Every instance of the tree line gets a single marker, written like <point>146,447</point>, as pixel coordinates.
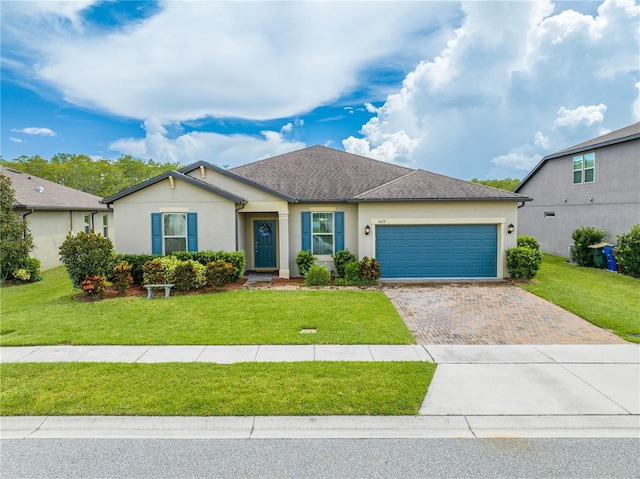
<point>100,177</point>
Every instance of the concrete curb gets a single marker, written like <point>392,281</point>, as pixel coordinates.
<point>316,427</point>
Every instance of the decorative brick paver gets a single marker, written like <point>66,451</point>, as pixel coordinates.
<point>489,314</point>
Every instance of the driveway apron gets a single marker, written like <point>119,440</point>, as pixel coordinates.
<point>489,314</point>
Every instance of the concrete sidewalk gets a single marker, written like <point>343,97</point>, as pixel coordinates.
<point>477,391</point>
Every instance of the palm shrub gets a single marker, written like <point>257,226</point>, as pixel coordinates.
<point>86,255</point>
<point>584,237</point>
<point>304,260</point>
<point>189,275</point>
<point>318,275</point>
<point>523,262</point>
<point>628,251</point>
<point>340,260</point>
<point>220,273</point>
<point>15,239</point>
<point>121,277</point>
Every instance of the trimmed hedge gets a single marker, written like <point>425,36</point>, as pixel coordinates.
<point>236,258</point>
<point>628,251</point>
<point>523,263</point>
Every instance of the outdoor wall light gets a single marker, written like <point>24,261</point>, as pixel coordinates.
<point>510,228</point>
<point>367,229</point>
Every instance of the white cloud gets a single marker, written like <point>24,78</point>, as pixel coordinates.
<point>192,60</point>
<point>636,104</point>
<point>513,83</point>
<point>583,115</point>
<point>16,140</point>
<point>36,131</point>
<point>230,150</point>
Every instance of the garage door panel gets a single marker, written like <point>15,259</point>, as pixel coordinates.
<point>437,251</point>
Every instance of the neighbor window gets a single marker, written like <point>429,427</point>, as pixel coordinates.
<point>175,232</point>
<point>584,168</point>
<point>322,231</point>
<point>105,226</point>
<point>87,224</point>
<point>549,214</point>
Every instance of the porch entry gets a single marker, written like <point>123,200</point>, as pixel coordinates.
<point>264,242</point>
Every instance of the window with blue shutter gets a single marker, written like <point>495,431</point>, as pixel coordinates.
<point>172,232</point>
<point>322,232</point>
<point>156,233</point>
<point>192,231</point>
<point>339,221</point>
<point>306,230</point>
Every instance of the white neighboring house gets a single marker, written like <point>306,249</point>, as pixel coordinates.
<point>53,210</point>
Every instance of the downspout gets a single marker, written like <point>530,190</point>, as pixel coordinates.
<point>93,223</point>
<point>521,205</point>
<point>241,206</point>
<point>24,215</point>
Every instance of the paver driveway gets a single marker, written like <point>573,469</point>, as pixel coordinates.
<point>489,314</point>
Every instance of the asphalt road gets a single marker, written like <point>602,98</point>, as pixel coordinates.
<point>320,458</point>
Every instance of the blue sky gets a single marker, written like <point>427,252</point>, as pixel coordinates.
<point>466,89</point>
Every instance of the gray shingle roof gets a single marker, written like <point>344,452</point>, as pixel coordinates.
<point>36,193</point>
<point>628,133</point>
<point>318,173</point>
<point>425,185</point>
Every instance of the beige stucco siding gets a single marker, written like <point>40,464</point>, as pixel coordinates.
<point>216,216</point>
<point>463,212</point>
<point>49,229</point>
<point>238,188</point>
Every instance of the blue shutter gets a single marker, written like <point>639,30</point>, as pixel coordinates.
<point>338,218</point>
<point>306,230</point>
<point>156,233</point>
<point>192,231</point>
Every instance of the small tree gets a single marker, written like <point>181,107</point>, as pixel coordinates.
<point>304,261</point>
<point>86,255</point>
<point>584,237</point>
<point>340,260</point>
<point>15,239</point>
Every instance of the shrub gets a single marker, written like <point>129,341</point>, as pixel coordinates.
<point>236,258</point>
<point>93,285</point>
<point>220,273</point>
<point>86,255</point>
<point>369,268</point>
<point>17,241</point>
<point>629,251</point>
<point>584,237</point>
<point>22,274</point>
<point>523,263</point>
<point>304,260</point>
<point>318,275</point>
<point>528,242</point>
<point>32,265</point>
<point>340,260</point>
<point>121,277</point>
<point>352,271</point>
<point>136,261</point>
<point>189,275</point>
<point>153,272</point>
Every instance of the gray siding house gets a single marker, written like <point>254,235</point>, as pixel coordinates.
<point>594,183</point>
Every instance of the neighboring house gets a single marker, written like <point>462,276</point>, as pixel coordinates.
<point>53,210</point>
<point>415,223</point>
<point>595,183</point>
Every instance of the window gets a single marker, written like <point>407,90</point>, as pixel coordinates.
<point>549,214</point>
<point>322,233</point>
<point>584,168</point>
<point>105,226</point>
<point>175,232</point>
<point>87,224</point>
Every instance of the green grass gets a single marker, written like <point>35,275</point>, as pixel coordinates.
<point>44,313</point>
<point>608,300</point>
<point>195,389</point>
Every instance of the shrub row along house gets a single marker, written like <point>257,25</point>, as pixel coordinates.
<point>53,210</point>
<point>417,224</point>
<point>594,183</point>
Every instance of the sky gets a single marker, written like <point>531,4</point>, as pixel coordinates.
<point>480,89</point>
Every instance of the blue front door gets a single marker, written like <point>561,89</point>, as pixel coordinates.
<point>264,242</point>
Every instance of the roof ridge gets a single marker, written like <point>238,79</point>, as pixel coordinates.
<point>387,183</point>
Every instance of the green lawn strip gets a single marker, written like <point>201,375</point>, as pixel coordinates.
<point>195,389</point>
<point>44,313</point>
<point>606,299</point>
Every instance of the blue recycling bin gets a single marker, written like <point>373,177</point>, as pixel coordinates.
<point>611,259</point>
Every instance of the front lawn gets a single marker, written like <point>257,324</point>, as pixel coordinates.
<point>606,299</point>
<point>196,389</point>
<point>44,313</point>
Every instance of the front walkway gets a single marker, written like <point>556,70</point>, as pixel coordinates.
<point>489,314</point>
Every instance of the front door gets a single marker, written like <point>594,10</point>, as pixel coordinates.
<point>264,242</point>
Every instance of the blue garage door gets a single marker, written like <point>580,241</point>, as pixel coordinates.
<point>437,251</point>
